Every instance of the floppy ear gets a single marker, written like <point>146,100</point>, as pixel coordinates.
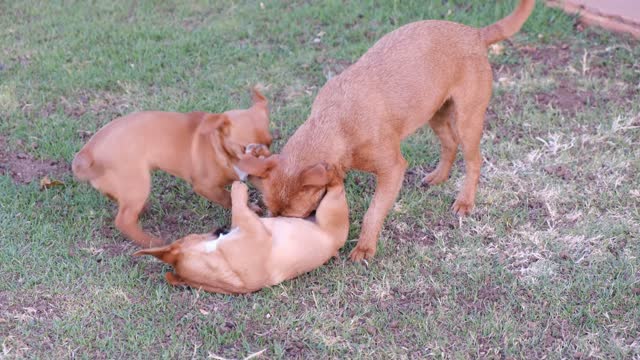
<point>166,253</point>
<point>213,122</point>
<point>318,175</point>
<point>258,98</point>
<point>260,167</point>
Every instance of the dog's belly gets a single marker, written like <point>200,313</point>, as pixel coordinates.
<point>298,249</point>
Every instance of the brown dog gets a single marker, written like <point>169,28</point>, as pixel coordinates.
<point>258,252</point>
<point>427,72</point>
<point>201,148</point>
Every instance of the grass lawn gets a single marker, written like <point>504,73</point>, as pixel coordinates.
<point>547,265</point>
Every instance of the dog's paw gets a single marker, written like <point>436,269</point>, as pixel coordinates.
<point>360,253</point>
<point>239,193</point>
<point>461,208</point>
<point>239,187</point>
<point>435,177</point>
<point>257,150</point>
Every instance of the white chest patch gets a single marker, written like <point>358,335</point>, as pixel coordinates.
<point>241,174</point>
<point>212,245</point>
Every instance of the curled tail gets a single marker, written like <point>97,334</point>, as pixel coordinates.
<point>84,166</point>
<point>509,25</point>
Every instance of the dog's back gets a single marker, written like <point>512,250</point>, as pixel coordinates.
<point>137,139</point>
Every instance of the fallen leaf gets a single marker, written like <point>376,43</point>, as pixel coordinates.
<point>496,49</point>
<point>46,183</point>
<point>204,312</point>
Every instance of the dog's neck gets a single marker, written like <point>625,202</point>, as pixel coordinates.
<point>311,144</point>
<point>209,157</point>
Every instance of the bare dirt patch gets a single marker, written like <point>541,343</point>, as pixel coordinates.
<point>24,168</point>
<point>562,63</point>
<point>102,105</point>
<point>566,98</point>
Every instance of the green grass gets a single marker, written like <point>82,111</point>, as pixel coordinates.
<point>546,266</point>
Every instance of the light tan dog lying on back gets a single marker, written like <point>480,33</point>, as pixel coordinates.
<point>258,252</point>
<point>200,147</point>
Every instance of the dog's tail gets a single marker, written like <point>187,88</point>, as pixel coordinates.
<point>509,25</point>
<point>84,166</point>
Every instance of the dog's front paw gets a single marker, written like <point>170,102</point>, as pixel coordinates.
<point>361,252</point>
<point>461,207</point>
<point>239,192</point>
<point>257,150</point>
<point>239,187</point>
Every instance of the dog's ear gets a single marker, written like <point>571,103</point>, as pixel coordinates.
<point>168,253</point>
<point>258,166</point>
<point>258,99</point>
<point>318,175</point>
<point>213,122</point>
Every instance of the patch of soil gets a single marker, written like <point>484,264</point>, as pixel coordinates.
<point>554,60</point>
<point>536,210</point>
<point>413,176</point>
<point>553,57</point>
<point>560,171</point>
<point>566,98</point>
<point>412,233</point>
<point>24,168</point>
<point>487,295</point>
<point>105,104</point>
<point>411,299</point>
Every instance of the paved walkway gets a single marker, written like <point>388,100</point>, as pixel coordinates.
<point>615,15</point>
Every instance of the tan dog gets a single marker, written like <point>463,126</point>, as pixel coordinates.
<point>201,148</point>
<point>427,72</point>
<point>258,252</point>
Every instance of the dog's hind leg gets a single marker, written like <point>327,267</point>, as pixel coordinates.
<point>470,109</point>
<point>130,205</point>
<point>441,124</point>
